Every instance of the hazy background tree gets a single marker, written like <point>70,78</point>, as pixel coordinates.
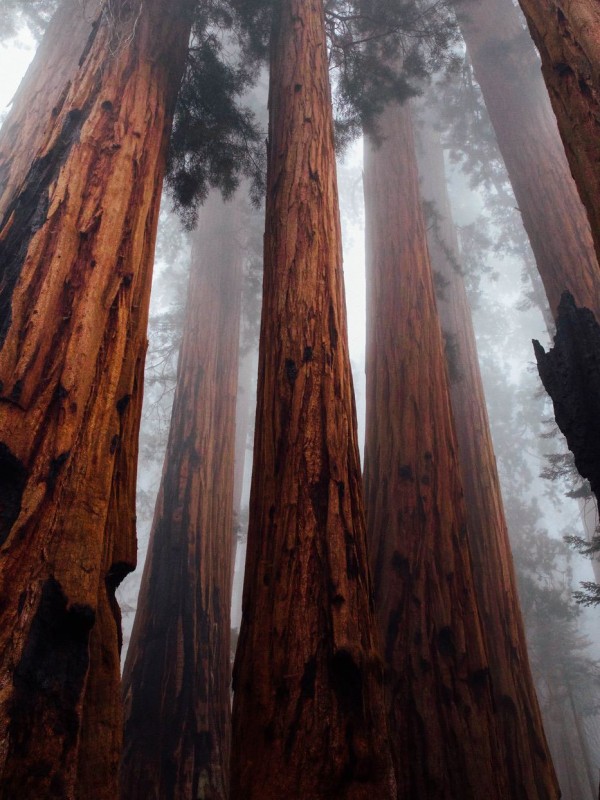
<point>518,717</point>
<point>566,35</point>
<point>441,713</point>
<point>177,723</point>
<point>506,66</point>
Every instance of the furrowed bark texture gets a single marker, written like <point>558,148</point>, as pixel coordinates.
<point>79,192</point>
<point>177,673</point>
<point>507,70</point>
<point>54,67</point>
<point>567,35</point>
<point>441,714</point>
<point>521,732</point>
<point>308,712</point>
<point>570,372</point>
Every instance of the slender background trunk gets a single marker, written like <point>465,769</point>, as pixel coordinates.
<point>177,672</point>
<point>566,34</point>
<point>308,714</point>
<point>441,712</point>
<point>507,69</point>
<point>525,750</point>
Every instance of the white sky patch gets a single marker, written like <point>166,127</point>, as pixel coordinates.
<point>15,57</point>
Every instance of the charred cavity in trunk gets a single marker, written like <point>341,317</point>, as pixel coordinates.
<point>570,372</point>
<point>347,681</point>
<point>13,477</point>
<point>49,681</point>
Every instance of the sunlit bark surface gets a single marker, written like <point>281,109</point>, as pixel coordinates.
<point>308,714</point>
<point>508,71</point>
<point>80,182</point>
<point>177,674</point>
<point>522,739</point>
<point>441,713</point>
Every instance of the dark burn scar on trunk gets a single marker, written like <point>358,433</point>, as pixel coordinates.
<point>48,683</point>
<point>28,212</point>
<point>445,642</point>
<point>123,403</point>
<point>13,477</point>
<point>347,682</point>
<point>55,467</point>
<point>570,372</point>
<point>291,371</point>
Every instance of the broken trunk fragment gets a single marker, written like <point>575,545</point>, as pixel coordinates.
<point>570,372</point>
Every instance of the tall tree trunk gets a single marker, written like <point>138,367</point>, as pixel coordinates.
<point>566,34</point>
<point>581,741</point>
<point>569,747</point>
<point>177,672</point>
<point>441,712</point>
<point>308,712</point>
<point>522,736</point>
<point>507,69</point>
<point>79,195</point>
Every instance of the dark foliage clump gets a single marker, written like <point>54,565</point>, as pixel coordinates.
<point>381,52</point>
<point>215,139</point>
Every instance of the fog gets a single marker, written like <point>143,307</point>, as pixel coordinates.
<point>539,512</point>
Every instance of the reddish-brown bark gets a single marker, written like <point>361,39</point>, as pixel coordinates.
<point>441,711</point>
<point>177,673</point>
<point>54,66</point>
<point>79,193</point>
<point>308,713</point>
<point>507,69</point>
<point>567,35</point>
<point>521,733</point>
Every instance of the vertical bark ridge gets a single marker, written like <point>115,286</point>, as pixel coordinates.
<point>177,673</point>
<point>522,735</point>
<point>507,70</point>
<point>442,718</point>
<point>308,714</point>
<point>75,286</point>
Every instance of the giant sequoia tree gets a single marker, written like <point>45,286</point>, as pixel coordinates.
<point>518,716</point>
<point>507,69</point>
<point>177,720</point>
<point>79,197</point>
<point>439,701</point>
<point>308,714</point>
<point>82,159</point>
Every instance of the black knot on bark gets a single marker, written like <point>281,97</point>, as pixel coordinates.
<point>291,371</point>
